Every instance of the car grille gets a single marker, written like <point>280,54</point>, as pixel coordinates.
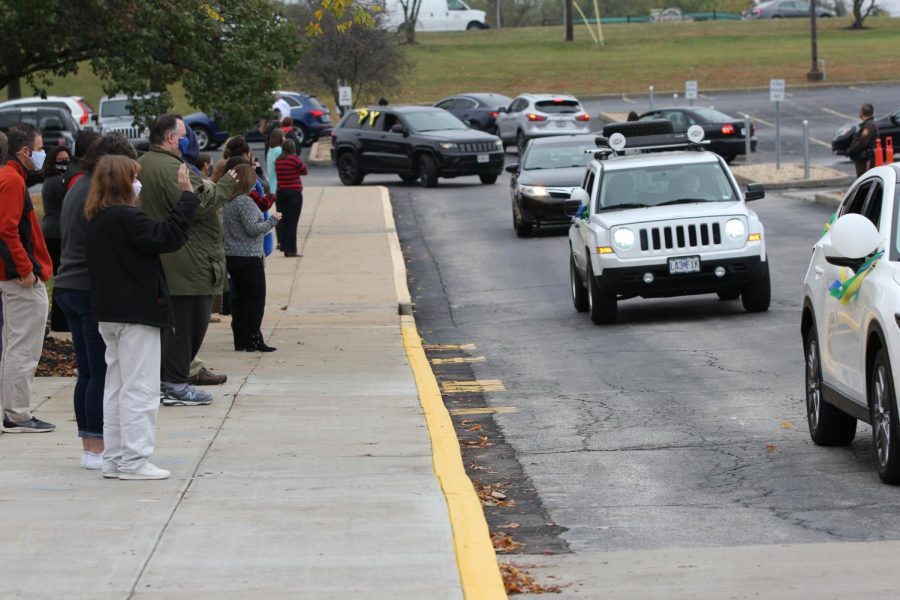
<point>694,235</point>
<point>478,147</point>
<point>559,192</point>
<point>131,133</point>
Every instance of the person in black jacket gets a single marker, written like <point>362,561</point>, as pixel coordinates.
<point>130,301</point>
<point>52,194</point>
<point>862,147</point>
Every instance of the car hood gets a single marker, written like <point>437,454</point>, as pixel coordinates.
<point>845,131</point>
<point>636,216</point>
<point>568,177</point>
<point>457,135</point>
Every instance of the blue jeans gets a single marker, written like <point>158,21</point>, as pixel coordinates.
<point>90,353</point>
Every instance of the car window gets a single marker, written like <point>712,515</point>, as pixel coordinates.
<point>433,120</point>
<point>654,186</point>
<point>115,108</point>
<point>854,202</point>
<point>558,107</point>
<point>445,104</point>
<point>389,120</point>
<point>518,105</point>
<point>557,156</point>
<point>678,118</point>
<point>7,118</point>
<point>456,5</point>
<point>589,180</point>
<point>713,116</point>
<point>651,116</point>
<point>463,104</point>
<point>872,209</point>
<point>292,102</point>
<point>50,122</point>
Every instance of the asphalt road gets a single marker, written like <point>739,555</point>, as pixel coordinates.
<point>826,109</point>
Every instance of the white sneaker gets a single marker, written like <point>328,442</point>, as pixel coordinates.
<point>91,461</point>
<point>147,471</point>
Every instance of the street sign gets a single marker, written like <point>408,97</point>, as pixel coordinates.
<point>690,90</point>
<point>345,96</point>
<point>776,90</point>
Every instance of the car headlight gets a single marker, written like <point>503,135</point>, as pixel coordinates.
<point>623,238</point>
<point>735,229</point>
<point>535,191</point>
<point>499,143</point>
<point>447,146</point>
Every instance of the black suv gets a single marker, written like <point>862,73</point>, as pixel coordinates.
<point>415,142</point>
<point>56,125</point>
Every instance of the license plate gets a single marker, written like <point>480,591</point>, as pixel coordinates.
<point>687,264</point>
<point>483,158</point>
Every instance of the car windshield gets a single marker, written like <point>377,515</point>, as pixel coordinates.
<point>433,120</point>
<point>712,115</point>
<point>669,184</point>
<point>558,107</point>
<point>115,108</point>
<point>558,156</point>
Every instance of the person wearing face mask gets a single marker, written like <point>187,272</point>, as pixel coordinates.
<point>196,272</point>
<point>26,266</point>
<point>52,193</point>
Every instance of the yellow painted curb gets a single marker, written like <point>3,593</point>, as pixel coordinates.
<point>475,557</point>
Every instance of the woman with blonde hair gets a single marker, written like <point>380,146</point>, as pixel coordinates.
<point>245,228</point>
<point>130,301</point>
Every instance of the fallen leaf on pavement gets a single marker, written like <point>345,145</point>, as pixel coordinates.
<point>510,526</point>
<point>481,442</point>
<point>498,495</point>
<point>475,427</point>
<point>503,542</point>
<point>786,425</point>
<point>770,448</point>
<point>486,493</point>
<point>517,581</point>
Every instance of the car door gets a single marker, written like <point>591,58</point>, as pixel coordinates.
<point>394,149</point>
<point>369,136</point>
<point>457,15</point>
<point>578,232</point>
<point>507,122</point>
<point>464,109</point>
<point>843,323</point>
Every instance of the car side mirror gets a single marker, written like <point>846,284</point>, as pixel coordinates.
<point>851,263</point>
<point>398,128</point>
<point>755,191</point>
<point>581,196</point>
<point>502,109</point>
<point>895,119</point>
<point>512,169</point>
<point>853,239</point>
<point>95,118</point>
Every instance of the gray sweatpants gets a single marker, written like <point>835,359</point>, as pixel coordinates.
<point>25,312</point>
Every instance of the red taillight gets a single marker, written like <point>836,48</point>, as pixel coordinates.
<point>757,11</point>
<point>84,114</point>
<point>495,114</point>
<point>536,117</point>
<point>317,113</point>
<point>728,129</point>
<point>583,117</point>
<point>558,100</point>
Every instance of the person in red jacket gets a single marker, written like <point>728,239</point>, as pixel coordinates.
<point>288,170</point>
<point>26,265</point>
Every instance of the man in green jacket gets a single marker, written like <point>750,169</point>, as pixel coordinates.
<point>196,272</point>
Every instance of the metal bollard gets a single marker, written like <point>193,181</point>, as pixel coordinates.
<point>805,149</point>
<point>651,98</point>
<point>747,145</point>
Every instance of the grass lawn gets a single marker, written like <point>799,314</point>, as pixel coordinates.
<point>721,54</point>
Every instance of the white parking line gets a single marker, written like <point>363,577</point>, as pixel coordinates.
<point>757,119</point>
<point>627,99</point>
<point>819,142</point>
<point>705,97</point>
<point>838,114</point>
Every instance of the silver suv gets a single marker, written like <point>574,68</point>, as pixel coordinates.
<point>541,115</point>
<point>115,117</point>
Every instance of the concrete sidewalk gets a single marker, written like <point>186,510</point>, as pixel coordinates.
<point>309,477</point>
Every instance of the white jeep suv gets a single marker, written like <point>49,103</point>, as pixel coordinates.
<point>664,223</point>
<point>851,321</point>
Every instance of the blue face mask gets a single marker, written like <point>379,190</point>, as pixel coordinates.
<point>183,144</point>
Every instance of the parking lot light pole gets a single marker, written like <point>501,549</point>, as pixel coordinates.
<point>568,18</point>
<point>814,73</point>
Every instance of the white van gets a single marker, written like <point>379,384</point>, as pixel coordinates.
<point>434,15</point>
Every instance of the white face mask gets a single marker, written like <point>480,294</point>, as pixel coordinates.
<point>37,157</point>
<point>137,188</point>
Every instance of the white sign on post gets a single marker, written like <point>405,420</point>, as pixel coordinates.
<point>345,96</point>
<point>690,90</point>
<point>776,90</point>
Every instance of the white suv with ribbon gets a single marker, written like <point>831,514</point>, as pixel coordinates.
<point>851,321</point>
<point>663,217</point>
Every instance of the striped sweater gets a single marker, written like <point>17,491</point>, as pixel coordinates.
<point>288,169</point>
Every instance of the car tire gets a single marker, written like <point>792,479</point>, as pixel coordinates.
<point>603,308</point>
<point>828,426</point>
<point>488,179</point>
<point>728,295</point>
<point>521,142</point>
<point>349,169</point>
<point>203,137</point>
<point>428,172</point>
<point>302,135</point>
<point>523,229</point>
<point>474,26</point>
<point>579,292</point>
<point>757,296</point>
<point>883,412</point>
<point>411,178</point>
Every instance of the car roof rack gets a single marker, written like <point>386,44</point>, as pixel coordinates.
<point>643,137</point>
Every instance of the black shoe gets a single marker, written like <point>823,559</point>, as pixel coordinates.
<point>32,425</point>
<point>259,345</point>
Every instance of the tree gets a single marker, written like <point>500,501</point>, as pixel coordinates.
<point>227,54</point>
<point>364,57</point>
<point>861,11</point>
<point>410,10</point>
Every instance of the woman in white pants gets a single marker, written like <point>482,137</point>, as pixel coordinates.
<point>130,301</point>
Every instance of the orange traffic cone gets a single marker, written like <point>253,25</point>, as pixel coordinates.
<point>879,153</point>
<point>889,150</point>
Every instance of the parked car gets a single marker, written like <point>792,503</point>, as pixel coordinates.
<point>478,111</point>
<point>56,125</point>
<point>415,142</point>
<point>784,9</point>
<point>669,220</point>
<point>542,183</point>
<point>77,106</point>
<point>724,132</point>
<point>888,126</point>
<point>539,115</point>
<point>434,15</point>
<point>850,327</point>
<point>209,135</point>
<point>114,116</point>
<point>312,120</point>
